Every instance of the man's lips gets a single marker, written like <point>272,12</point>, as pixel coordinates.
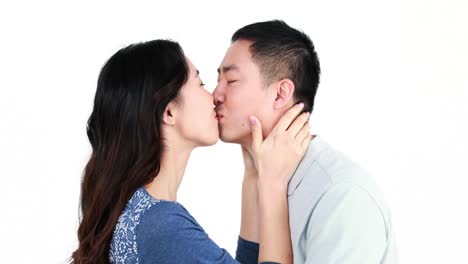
<point>219,116</point>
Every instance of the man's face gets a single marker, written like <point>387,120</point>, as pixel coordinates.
<point>240,93</point>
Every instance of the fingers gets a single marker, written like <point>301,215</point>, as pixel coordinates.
<point>306,141</point>
<point>257,137</point>
<point>298,124</point>
<point>303,133</point>
<point>288,117</point>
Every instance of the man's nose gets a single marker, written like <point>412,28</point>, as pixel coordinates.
<point>218,97</point>
<point>217,100</point>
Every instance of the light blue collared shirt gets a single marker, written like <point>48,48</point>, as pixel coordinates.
<point>337,213</point>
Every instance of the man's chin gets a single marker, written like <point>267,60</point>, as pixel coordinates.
<point>232,140</point>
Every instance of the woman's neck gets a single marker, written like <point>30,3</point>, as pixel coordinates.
<point>173,163</point>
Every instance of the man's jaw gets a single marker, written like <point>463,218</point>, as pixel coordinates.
<point>245,141</point>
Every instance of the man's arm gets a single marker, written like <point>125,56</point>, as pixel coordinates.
<point>346,226</point>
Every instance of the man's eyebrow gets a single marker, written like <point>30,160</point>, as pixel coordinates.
<point>231,67</point>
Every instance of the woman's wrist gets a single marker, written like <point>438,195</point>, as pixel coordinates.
<point>271,188</point>
<point>269,182</point>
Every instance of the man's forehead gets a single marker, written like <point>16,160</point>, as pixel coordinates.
<point>227,68</point>
<point>237,58</point>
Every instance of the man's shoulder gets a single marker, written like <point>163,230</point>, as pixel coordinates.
<point>332,173</point>
<point>325,168</point>
<point>330,166</point>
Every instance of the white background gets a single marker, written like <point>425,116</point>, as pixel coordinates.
<point>393,96</point>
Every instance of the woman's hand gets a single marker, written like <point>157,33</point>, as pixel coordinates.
<point>277,157</point>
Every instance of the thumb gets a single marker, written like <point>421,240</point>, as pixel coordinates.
<point>257,137</point>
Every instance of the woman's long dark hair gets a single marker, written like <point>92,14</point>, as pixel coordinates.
<point>124,129</point>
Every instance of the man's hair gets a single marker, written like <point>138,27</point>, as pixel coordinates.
<point>281,51</point>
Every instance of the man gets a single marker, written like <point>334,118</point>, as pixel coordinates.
<point>336,212</point>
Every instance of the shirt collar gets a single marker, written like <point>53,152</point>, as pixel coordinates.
<point>316,145</point>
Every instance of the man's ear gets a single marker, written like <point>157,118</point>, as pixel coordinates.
<point>168,117</point>
<point>284,92</point>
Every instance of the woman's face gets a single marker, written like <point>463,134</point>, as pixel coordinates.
<point>196,118</point>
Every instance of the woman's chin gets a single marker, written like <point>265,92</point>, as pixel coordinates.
<point>205,142</point>
<point>212,141</point>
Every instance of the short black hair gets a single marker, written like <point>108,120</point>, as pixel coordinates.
<point>281,51</point>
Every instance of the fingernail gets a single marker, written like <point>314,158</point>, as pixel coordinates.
<point>308,114</point>
<point>252,120</point>
<point>301,104</point>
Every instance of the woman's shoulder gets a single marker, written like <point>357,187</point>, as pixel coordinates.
<point>143,217</point>
<point>160,217</point>
<point>144,210</point>
<point>166,218</point>
<point>168,233</point>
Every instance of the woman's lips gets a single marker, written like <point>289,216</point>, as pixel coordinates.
<point>219,116</point>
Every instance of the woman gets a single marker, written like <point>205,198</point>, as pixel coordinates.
<point>150,111</point>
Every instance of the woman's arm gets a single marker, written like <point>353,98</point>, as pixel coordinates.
<point>276,158</point>
<point>275,238</point>
<point>250,211</point>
